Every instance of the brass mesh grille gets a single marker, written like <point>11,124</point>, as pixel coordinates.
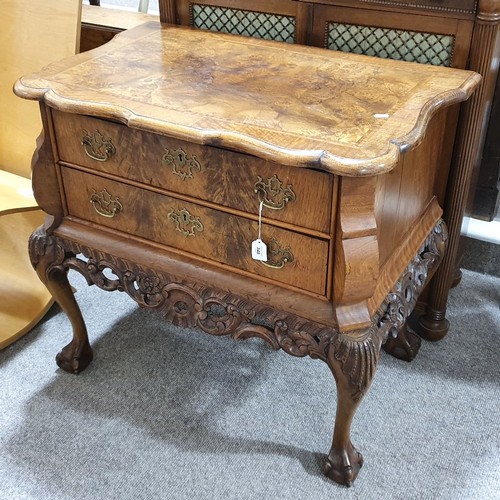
<point>425,48</point>
<point>244,22</point>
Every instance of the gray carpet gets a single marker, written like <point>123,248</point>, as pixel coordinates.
<point>165,413</point>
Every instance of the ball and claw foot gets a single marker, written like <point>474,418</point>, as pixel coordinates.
<point>343,465</point>
<point>75,357</point>
<point>405,346</point>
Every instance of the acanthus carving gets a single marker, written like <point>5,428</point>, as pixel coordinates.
<point>221,313</point>
<point>351,356</point>
<point>358,352</point>
<point>358,359</point>
<point>43,246</point>
<point>195,306</point>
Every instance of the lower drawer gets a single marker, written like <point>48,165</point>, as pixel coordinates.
<point>293,258</point>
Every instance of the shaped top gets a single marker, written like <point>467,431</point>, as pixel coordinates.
<point>302,106</point>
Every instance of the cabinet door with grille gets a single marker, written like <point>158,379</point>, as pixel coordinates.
<point>279,20</point>
<point>438,40</point>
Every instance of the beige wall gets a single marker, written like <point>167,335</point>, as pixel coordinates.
<point>33,33</point>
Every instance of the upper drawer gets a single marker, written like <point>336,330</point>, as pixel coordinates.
<point>293,258</point>
<point>297,196</point>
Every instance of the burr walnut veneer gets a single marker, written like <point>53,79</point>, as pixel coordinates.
<point>161,147</point>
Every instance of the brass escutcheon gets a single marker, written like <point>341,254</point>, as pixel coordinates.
<point>182,164</point>
<point>185,223</point>
<point>272,193</point>
<point>277,257</point>
<point>97,147</point>
<point>105,204</point>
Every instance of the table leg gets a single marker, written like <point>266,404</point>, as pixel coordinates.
<point>353,362</point>
<point>47,257</point>
<point>404,346</point>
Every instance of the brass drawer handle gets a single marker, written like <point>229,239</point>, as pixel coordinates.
<point>182,164</point>
<point>185,223</point>
<point>97,147</point>
<point>277,257</point>
<point>105,204</point>
<point>272,192</point>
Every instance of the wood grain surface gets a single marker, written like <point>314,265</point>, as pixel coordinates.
<point>220,237</point>
<point>302,106</point>
<point>218,177</point>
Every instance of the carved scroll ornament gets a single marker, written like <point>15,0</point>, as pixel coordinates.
<point>352,357</point>
<point>221,313</point>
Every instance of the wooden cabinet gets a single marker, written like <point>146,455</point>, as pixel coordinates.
<point>454,7</point>
<point>424,32</point>
<point>168,152</point>
<point>486,200</point>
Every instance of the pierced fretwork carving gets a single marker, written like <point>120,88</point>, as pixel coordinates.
<point>402,299</point>
<point>221,313</point>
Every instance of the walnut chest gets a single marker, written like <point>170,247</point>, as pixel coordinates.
<point>249,188</point>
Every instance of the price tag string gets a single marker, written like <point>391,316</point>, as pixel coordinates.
<point>260,220</point>
<point>259,248</point>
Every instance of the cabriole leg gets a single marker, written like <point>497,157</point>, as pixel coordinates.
<point>353,362</point>
<point>47,258</point>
